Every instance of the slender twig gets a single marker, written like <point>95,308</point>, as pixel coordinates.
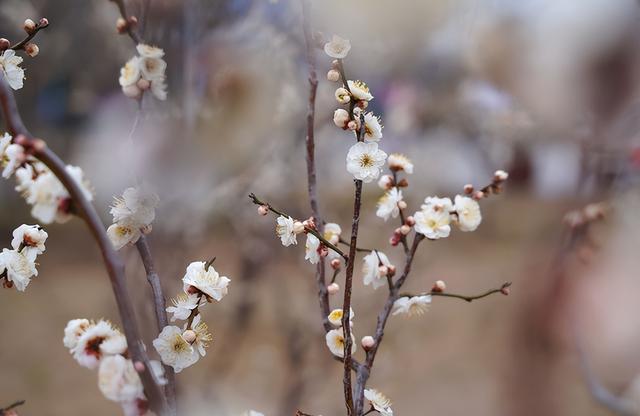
<point>113,263</point>
<point>27,39</point>
<point>319,236</point>
<point>358,249</point>
<point>159,302</point>
<point>468,298</point>
<point>12,406</point>
<point>130,28</point>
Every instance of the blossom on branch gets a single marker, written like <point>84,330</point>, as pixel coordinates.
<point>174,350</point>
<point>206,280</point>
<point>338,48</point>
<point>10,64</point>
<point>286,230</point>
<point>468,215</point>
<point>372,128</point>
<point>365,161</point>
<point>132,214</point>
<point>388,204</point>
<point>411,306</point>
<point>434,218</point>
<point>145,72</point>
<point>373,269</point>
<point>360,90</point>
<point>311,249</point>
<point>118,380</point>
<point>182,306</point>
<point>97,341</point>
<point>398,163</point>
<point>335,342</point>
<point>18,268</point>
<point>379,402</point>
<point>29,240</point>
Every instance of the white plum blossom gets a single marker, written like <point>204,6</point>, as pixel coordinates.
<point>311,249</point>
<point>10,64</point>
<point>341,118</point>
<point>29,240</point>
<point>412,306</point>
<point>12,158</point>
<point>372,128</point>
<point>371,269</point>
<point>398,162</point>
<point>207,281</point>
<point>332,232</point>
<point>145,72</point>
<point>468,213</point>
<point>285,229</point>
<point>182,306</point>
<point>335,317</point>
<point>365,160</point>
<point>123,234</point>
<point>388,204</point>
<point>359,90</point>
<point>19,268</point>
<point>88,350</point>
<point>174,350</point>
<point>74,329</point>
<point>434,218</point>
<point>379,401</point>
<point>118,380</point>
<point>137,205</point>
<point>337,48</point>
<point>335,342</point>
<point>202,335</point>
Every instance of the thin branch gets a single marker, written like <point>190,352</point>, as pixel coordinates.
<point>130,28</point>
<point>39,26</point>
<point>319,236</point>
<point>468,298</point>
<point>113,263</point>
<point>12,406</point>
<point>358,249</point>
<point>159,303</point>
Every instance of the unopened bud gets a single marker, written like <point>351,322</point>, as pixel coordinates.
<point>403,183</point>
<point>324,252</point>
<point>132,91</point>
<point>189,335</point>
<point>333,75</point>
<point>4,44</point>
<point>402,205</point>
<point>394,240</point>
<point>405,229</point>
<point>368,342</point>
<point>298,227</point>
<point>139,366</point>
<point>505,290</point>
<point>391,270</point>
<point>439,286</point>
<point>121,26</point>
<point>333,288</point>
<point>352,125</point>
<point>132,21</point>
<point>335,264</point>
<point>385,182</point>
<point>410,221</point>
<point>383,270</point>
<point>31,49</point>
<point>594,212</point>
<point>29,26</point>
<point>468,189</point>
<point>363,104</point>
<point>192,290</point>
<point>478,195</point>
<point>263,210</point>
<point>342,95</point>
<point>143,84</point>
<point>500,176</point>
<point>44,22</point>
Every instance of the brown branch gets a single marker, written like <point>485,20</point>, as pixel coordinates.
<point>159,302</point>
<point>130,27</point>
<point>319,236</point>
<point>42,24</point>
<point>13,405</point>
<point>358,249</point>
<point>113,263</point>
<point>323,295</point>
<point>468,298</point>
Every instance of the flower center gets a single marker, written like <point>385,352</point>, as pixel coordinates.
<point>179,344</point>
<point>366,161</point>
<point>93,346</point>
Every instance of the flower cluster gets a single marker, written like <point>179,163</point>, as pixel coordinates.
<point>18,264</point>
<point>364,159</point>
<point>99,345</point>
<point>49,199</point>
<point>182,347</point>
<point>132,214</point>
<point>144,72</point>
<point>335,337</point>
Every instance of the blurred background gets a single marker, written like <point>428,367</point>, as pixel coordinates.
<point>546,89</point>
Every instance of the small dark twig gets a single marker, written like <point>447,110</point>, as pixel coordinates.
<point>12,406</point>
<point>129,28</point>
<point>467,298</point>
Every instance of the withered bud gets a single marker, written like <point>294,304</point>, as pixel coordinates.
<point>192,290</point>
<point>335,264</point>
<point>403,183</point>
<point>4,44</point>
<point>44,22</point>
<point>468,189</point>
<point>32,49</point>
<point>439,286</point>
<point>309,223</point>
<point>29,26</point>
<point>121,26</point>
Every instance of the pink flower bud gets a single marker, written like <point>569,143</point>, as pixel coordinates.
<point>394,240</point>
<point>323,251</point>
<point>121,26</point>
<point>139,366</point>
<point>478,195</point>
<point>4,44</point>
<point>439,286</point>
<point>468,189</point>
<point>298,227</point>
<point>44,22</point>
<point>333,75</point>
<point>385,182</point>
<point>352,125</point>
<point>410,221</point>
<point>333,288</point>
<point>391,270</point>
<point>263,210</point>
<point>505,290</point>
<point>368,342</point>
<point>132,91</point>
<point>335,264</point>
<point>31,49</point>
<point>402,205</point>
<point>405,229</point>
<point>143,84</point>
<point>189,335</point>
<point>384,270</point>
<point>29,26</point>
<point>500,176</point>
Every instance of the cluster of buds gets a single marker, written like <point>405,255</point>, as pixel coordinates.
<point>590,213</point>
<point>403,230</point>
<point>495,187</point>
<point>125,25</point>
